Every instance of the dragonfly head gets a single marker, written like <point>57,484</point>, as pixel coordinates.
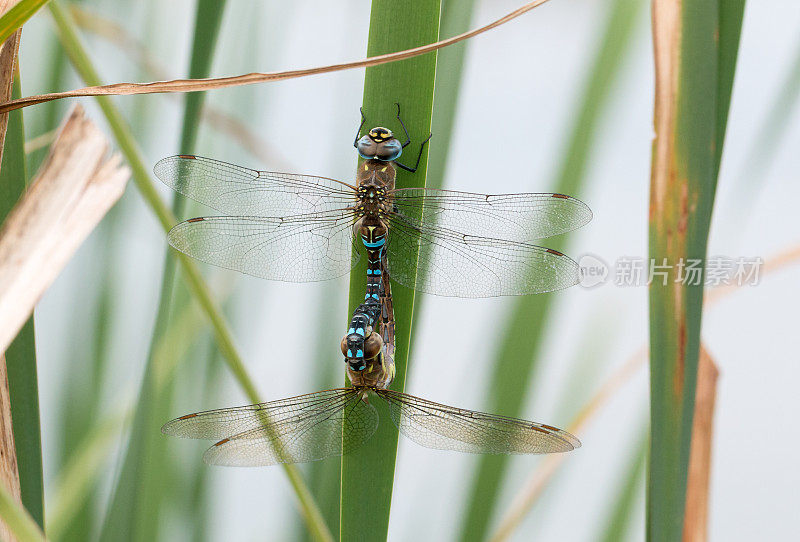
<point>360,353</point>
<point>379,144</point>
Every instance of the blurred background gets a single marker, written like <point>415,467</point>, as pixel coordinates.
<point>537,103</point>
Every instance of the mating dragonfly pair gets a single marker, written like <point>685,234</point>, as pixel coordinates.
<point>301,228</point>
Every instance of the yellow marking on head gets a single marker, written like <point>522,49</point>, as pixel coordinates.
<point>384,169</point>
<point>365,167</point>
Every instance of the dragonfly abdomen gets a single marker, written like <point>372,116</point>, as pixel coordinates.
<point>354,347</point>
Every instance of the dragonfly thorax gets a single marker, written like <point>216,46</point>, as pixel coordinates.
<point>375,181</point>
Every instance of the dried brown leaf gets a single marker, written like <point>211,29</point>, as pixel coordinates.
<point>195,85</point>
<point>695,523</point>
<point>74,189</point>
<point>9,472</point>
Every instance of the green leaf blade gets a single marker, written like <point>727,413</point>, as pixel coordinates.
<point>15,17</point>
<point>694,83</point>
<point>20,357</point>
<point>368,473</point>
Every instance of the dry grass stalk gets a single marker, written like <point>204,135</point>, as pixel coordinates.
<point>8,59</point>
<point>74,189</point>
<point>695,524</point>
<point>195,85</point>
<point>9,472</point>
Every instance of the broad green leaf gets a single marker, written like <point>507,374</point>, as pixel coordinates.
<point>696,42</point>
<point>368,474</point>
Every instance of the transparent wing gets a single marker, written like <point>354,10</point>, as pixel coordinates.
<point>294,430</point>
<point>460,265</point>
<point>303,248</point>
<point>236,190</point>
<point>516,217</point>
<point>448,428</point>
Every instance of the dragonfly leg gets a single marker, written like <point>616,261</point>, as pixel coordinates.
<point>360,126</point>
<point>419,156</point>
<point>408,137</point>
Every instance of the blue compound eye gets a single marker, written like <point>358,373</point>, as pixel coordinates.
<point>389,150</point>
<point>367,148</point>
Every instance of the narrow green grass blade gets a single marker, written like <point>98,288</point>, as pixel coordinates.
<point>621,513</point>
<point>515,358</point>
<point>21,524</point>
<point>48,116</point>
<point>79,476</point>
<point>81,471</point>
<point>324,476</point>
<point>368,474</point>
<point>144,484</point>
<point>16,16</point>
<point>754,174</point>
<point>208,18</point>
<point>21,354</point>
<point>729,25</point>
<point>200,290</point>
<point>81,398</point>
<point>698,41</point>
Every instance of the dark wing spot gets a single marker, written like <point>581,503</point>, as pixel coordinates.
<point>551,428</point>
<point>187,416</point>
<point>223,441</point>
<point>557,253</point>
<point>562,196</point>
<point>198,219</point>
<point>539,429</point>
<point>187,156</point>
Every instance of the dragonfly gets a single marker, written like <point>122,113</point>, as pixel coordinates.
<point>334,422</point>
<point>303,228</point>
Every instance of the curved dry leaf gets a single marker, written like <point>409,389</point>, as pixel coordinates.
<point>76,186</point>
<point>195,85</point>
<point>695,523</point>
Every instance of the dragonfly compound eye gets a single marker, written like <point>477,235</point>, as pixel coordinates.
<point>373,345</point>
<point>389,150</point>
